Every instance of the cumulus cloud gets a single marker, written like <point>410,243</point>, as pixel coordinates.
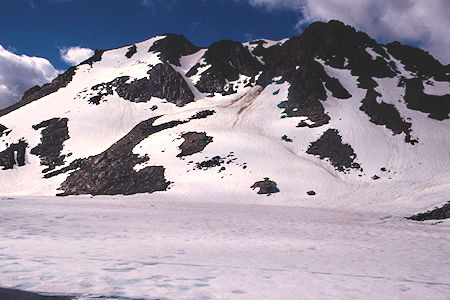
<point>75,55</point>
<point>425,23</point>
<point>18,73</point>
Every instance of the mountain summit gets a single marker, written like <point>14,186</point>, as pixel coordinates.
<point>328,118</point>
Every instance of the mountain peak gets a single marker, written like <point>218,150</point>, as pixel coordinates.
<point>330,111</point>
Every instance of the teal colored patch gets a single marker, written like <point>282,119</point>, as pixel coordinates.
<point>282,104</point>
<point>276,92</point>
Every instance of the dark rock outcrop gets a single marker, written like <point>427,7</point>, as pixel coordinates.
<point>131,51</point>
<point>227,60</point>
<point>14,294</point>
<point>438,213</point>
<point>3,130</point>
<point>164,82</point>
<point>266,186</point>
<point>13,155</point>
<point>386,114</point>
<point>94,58</point>
<point>438,107</point>
<point>330,146</point>
<point>112,172</point>
<point>194,142</point>
<point>173,47</point>
<point>54,134</point>
<point>210,163</point>
<point>304,94</point>
<point>419,62</point>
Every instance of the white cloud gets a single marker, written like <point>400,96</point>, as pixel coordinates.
<point>75,55</point>
<point>18,73</point>
<point>425,23</point>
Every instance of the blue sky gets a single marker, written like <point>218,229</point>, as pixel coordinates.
<point>39,38</point>
<point>42,27</point>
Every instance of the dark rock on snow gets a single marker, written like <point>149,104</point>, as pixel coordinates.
<point>173,47</point>
<point>438,107</point>
<point>227,60</point>
<point>94,58</point>
<point>438,213</point>
<point>54,134</point>
<point>164,82</point>
<point>385,114</point>
<point>330,146</point>
<point>194,142</point>
<point>210,163</point>
<point>131,51</point>
<point>13,155</point>
<point>111,172</point>
<point>266,186</point>
<point>3,130</point>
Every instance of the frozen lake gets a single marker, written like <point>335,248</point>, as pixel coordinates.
<point>128,247</point>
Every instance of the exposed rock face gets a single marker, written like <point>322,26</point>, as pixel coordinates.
<point>38,92</point>
<point>210,163</point>
<point>438,213</point>
<point>164,82</point>
<point>3,130</point>
<point>330,146</point>
<point>96,57</point>
<point>438,107</point>
<point>112,172</point>
<point>419,62</point>
<point>13,155</point>
<point>172,47</point>
<point>131,51</point>
<point>194,142</point>
<point>54,134</point>
<point>385,114</point>
<point>266,186</point>
<point>227,60</point>
<point>339,46</point>
<point>304,94</point>
<point>13,294</point>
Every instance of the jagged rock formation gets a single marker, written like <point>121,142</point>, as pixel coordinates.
<point>13,155</point>
<point>163,82</point>
<point>173,47</point>
<point>226,60</point>
<point>54,134</point>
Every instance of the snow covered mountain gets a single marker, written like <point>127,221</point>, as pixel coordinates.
<point>329,118</point>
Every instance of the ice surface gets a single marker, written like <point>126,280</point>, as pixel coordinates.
<point>140,248</point>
